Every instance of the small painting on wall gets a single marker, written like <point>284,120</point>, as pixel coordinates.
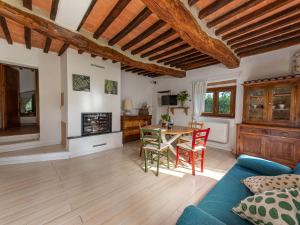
<point>81,83</point>
<point>111,87</point>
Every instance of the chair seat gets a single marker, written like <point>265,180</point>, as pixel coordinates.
<point>154,147</point>
<point>188,146</point>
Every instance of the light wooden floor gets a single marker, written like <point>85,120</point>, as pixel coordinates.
<point>103,188</point>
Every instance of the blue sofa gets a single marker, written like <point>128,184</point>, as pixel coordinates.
<point>215,208</point>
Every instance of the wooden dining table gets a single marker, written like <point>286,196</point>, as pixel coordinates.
<point>175,132</point>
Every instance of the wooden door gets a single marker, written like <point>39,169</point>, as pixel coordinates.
<point>12,89</point>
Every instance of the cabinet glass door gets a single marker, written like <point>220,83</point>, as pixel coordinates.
<point>257,104</point>
<point>281,102</point>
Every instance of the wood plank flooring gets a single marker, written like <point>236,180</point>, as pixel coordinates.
<point>104,188</point>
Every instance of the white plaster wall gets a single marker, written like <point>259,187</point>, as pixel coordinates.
<point>137,88</point>
<point>271,64</point>
<point>49,85</point>
<point>95,100</point>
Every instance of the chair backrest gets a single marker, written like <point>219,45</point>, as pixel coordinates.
<point>154,135</point>
<point>196,125</point>
<point>200,137</point>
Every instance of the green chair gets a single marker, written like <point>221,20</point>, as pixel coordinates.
<point>153,147</point>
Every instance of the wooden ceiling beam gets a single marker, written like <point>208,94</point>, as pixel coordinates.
<point>156,26</point>
<point>63,49</point>
<point>93,56</point>
<point>143,15</point>
<point>80,51</point>
<point>130,69</point>
<point>79,41</point>
<point>215,6</point>
<point>199,64</point>
<point>162,47</point>
<point>202,65</point>
<point>184,58</point>
<point>114,13</point>
<point>252,16</point>
<point>125,67</point>
<point>5,30</point>
<point>268,35</point>
<point>27,37</point>
<point>192,2</point>
<point>87,13</point>
<point>27,4</point>
<point>272,47</point>
<point>154,41</point>
<point>269,28</point>
<point>183,22</point>
<point>192,60</point>
<point>137,70</point>
<point>47,45</point>
<point>54,8</point>
<point>233,12</point>
<point>169,52</point>
<point>181,54</point>
<point>274,18</point>
<point>295,34</point>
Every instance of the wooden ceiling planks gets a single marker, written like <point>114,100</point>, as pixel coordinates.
<point>213,8</point>
<point>87,13</point>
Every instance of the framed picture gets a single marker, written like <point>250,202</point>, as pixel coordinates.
<point>81,83</point>
<point>111,87</point>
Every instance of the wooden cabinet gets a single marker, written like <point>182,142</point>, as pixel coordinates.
<point>271,115</point>
<point>130,126</point>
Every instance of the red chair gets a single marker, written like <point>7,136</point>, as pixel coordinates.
<point>194,149</point>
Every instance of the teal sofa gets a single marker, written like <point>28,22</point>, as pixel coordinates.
<point>215,208</point>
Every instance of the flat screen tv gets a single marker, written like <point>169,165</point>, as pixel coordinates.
<point>169,100</point>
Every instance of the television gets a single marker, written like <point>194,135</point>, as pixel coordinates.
<point>169,100</point>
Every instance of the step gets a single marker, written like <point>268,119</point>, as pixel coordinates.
<point>4,140</point>
<point>45,153</point>
<point>19,145</point>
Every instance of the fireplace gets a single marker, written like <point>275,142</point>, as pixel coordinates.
<point>95,123</point>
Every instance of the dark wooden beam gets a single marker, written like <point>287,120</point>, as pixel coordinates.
<point>154,41</point>
<point>27,37</point>
<point>87,13</point>
<point>27,4</point>
<point>47,45</point>
<point>295,34</point>
<point>192,2</point>
<point>269,28</point>
<point>125,67</point>
<point>79,41</point>
<point>268,35</point>
<point>274,18</point>
<point>114,61</point>
<point>192,60</point>
<point>216,5</point>
<point>54,8</point>
<point>63,49</point>
<point>159,24</point>
<point>80,51</point>
<point>181,54</point>
<point>201,63</point>
<point>5,30</point>
<point>93,56</point>
<point>175,13</point>
<point>136,70</point>
<point>144,14</point>
<point>272,47</point>
<point>252,16</point>
<point>169,52</point>
<point>233,12</point>
<point>130,69</point>
<point>115,12</point>
<point>184,58</point>
<point>162,47</point>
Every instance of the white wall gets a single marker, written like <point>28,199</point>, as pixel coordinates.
<point>139,89</point>
<point>269,64</point>
<point>49,85</point>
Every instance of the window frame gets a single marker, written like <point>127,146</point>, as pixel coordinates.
<point>216,91</point>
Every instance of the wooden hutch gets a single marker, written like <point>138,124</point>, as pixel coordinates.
<point>271,120</point>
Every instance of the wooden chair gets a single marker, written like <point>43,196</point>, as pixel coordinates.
<point>154,147</point>
<point>195,125</point>
<point>194,149</point>
<point>146,138</point>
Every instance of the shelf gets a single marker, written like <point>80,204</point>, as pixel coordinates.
<point>184,108</point>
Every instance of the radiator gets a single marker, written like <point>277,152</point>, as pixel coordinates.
<point>218,131</point>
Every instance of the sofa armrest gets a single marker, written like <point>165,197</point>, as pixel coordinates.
<point>192,215</point>
<point>263,166</point>
<point>297,169</point>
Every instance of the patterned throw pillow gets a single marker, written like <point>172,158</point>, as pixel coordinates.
<point>276,207</point>
<point>259,184</point>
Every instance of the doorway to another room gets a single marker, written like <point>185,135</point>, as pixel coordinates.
<point>19,100</point>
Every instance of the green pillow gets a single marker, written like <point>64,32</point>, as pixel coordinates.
<point>276,207</point>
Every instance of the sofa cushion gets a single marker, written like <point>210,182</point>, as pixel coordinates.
<point>271,207</point>
<point>195,216</point>
<point>297,169</point>
<point>263,166</point>
<point>228,192</point>
<point>259,184</point>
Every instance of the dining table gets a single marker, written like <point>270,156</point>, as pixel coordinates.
<point>170,136</point>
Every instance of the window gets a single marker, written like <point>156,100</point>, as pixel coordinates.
<point>220,102</point>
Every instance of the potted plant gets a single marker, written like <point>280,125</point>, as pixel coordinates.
<point>182,97</point>
<point>165,120</point>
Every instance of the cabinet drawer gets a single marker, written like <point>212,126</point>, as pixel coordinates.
<point>254,130</point>
<point>288,134</point>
